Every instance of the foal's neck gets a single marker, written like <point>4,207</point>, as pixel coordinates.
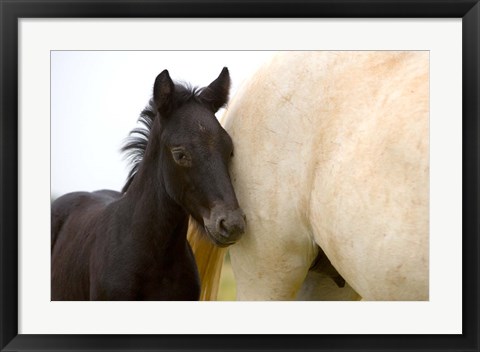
<point>157,221</point>
<point>155,215</point>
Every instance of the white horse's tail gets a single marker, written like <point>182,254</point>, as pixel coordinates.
<point>209,260</point>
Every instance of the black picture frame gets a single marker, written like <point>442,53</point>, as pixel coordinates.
<point>11,11</point>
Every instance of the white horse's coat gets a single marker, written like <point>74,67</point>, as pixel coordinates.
<point>331,150</point>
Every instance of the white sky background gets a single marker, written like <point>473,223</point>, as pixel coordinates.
<point>96,99</point>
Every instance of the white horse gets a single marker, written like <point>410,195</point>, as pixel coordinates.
<point>331,167</point>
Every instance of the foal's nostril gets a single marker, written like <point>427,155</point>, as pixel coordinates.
<point>221,227</point>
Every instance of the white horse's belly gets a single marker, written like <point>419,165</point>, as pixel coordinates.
<point>332,149</point>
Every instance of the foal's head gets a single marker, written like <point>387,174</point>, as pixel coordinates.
<point>193,152</point>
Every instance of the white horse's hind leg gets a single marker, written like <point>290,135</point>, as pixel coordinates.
<point>268,269</point>
<point>269,286</point>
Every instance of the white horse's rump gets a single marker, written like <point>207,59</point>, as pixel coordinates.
<point>331,150</point>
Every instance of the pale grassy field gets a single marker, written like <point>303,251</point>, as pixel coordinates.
<point>227,290</point>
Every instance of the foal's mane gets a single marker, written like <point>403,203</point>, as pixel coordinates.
<point>136,144</point>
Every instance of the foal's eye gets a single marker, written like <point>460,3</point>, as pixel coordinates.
<point>181,156</point>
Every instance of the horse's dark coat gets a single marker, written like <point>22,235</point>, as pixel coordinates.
<point>132,245</point>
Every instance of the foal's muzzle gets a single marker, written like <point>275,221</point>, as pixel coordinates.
<point>225,227</point>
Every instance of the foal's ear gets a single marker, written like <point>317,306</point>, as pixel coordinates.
<point>163,90</point>
<point>216,94</point>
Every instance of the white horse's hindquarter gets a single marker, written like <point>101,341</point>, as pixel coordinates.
<point>369,202</point>
<point>331,148</point>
